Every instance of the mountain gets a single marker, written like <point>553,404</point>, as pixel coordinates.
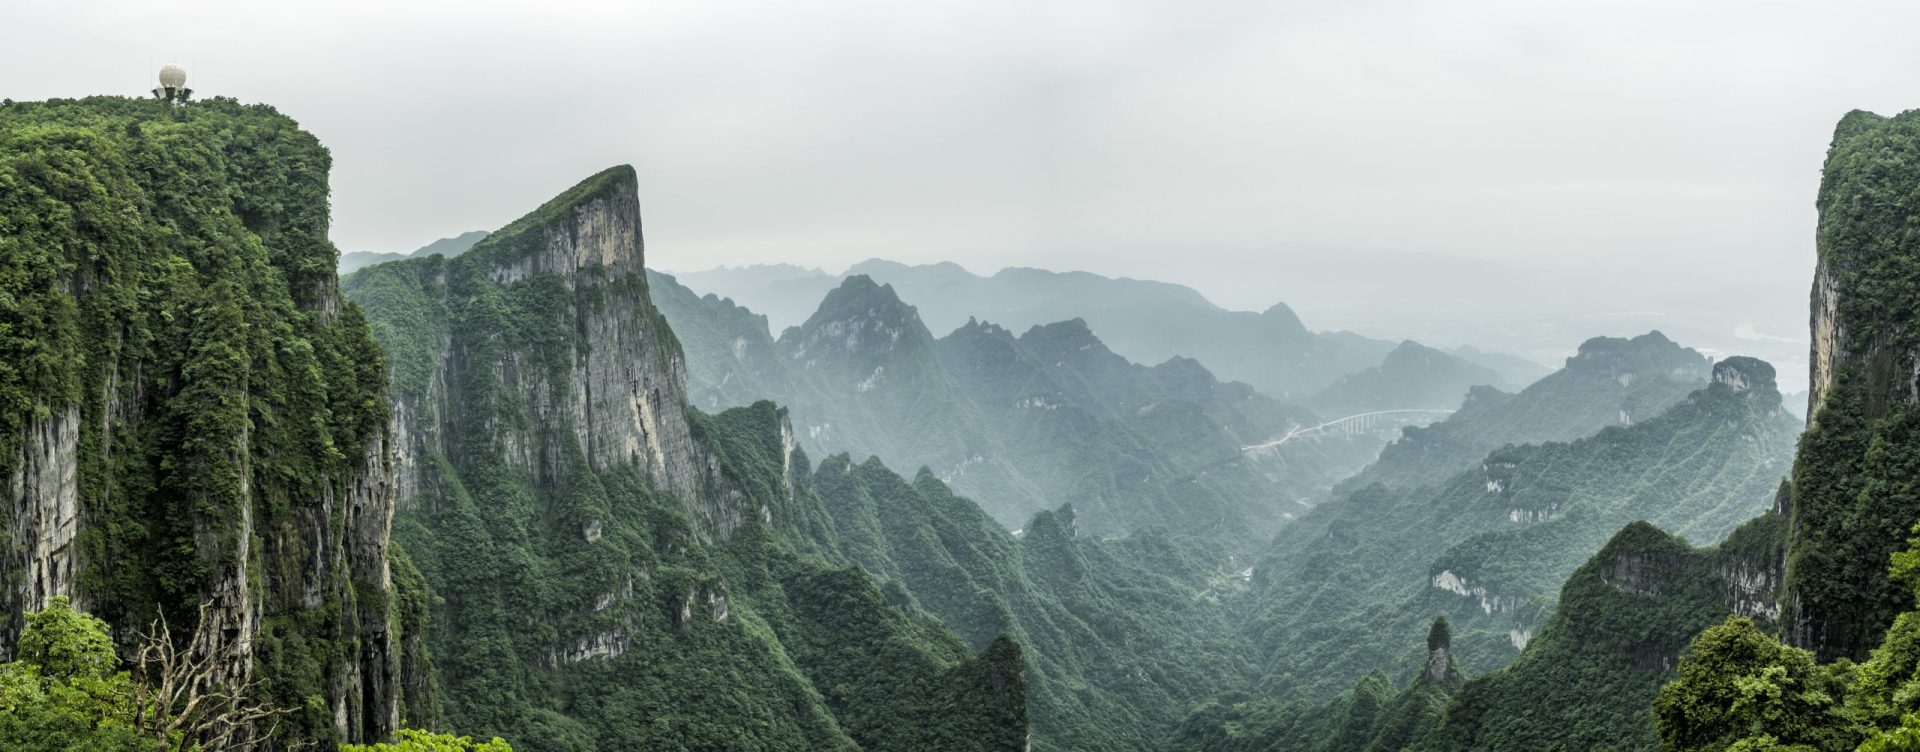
<point>1372,717</point>
<point>1610,381</point>
<point>1838,675</point>
<point>1622,621</point>
<point>1515,370</point>
<point>1143,321</point>
<point>1488,547</point>
<point>453,246</point>
<point>1412,376</point>
<point>611,568</point>
<point>1812,571</point>
<point>1855,489</point>
<point>1021,423</point>
<point>189,414</point>
<point>1121,636</point>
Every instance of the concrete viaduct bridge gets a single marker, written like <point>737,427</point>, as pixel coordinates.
<point>1352,424</point>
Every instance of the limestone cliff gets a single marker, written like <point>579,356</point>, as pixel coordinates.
<point>595,368</point>
<point>189,415</point>
<point>610,564</point>
<point>1853,492</point>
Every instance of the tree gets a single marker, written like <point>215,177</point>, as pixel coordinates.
<point>415,740</point>
<point>203,694</point>
<point>63,693</point>
<point>1739,687</point>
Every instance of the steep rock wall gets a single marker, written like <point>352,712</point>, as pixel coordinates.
<point>200,420</point>
<point>1853,490</point>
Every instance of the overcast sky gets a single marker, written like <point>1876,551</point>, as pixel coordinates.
<point>1685,136</point>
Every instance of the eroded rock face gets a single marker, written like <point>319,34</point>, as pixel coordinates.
<point>1829,338</point>
<point>620,397</point>
<point>207,438</point>
<point>43,496</point>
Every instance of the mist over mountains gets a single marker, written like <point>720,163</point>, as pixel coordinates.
<point>1537,311</point>
<point>519,486</point>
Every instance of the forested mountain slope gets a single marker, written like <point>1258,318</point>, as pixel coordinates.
<point>1020,423</point>
<point>1121,636</point>
<point>1610,381</point>
<point>616,570</point>
<point>1851,564</point>
<point>1831,566</point>
<point>1344,590</point>
<point>188,414</point>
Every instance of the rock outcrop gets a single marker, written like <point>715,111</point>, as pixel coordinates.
<point>1853,502</point>
<point>204,433</point>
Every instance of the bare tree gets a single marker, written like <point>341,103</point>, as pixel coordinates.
<point>191,693</point>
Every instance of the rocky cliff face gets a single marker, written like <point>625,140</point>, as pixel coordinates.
<point>584,528</point>
<point>595,368</point>
<point>204,422</point>
<point>1852,501</point>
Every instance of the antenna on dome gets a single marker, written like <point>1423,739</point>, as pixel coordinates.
<point>173,85</point>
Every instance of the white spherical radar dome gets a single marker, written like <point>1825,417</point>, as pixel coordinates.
<point>173,76</point>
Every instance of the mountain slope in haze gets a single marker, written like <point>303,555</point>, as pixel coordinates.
<point>613,569</point>
<point>1518,372</point>
<point>1121,636</point>
<point>1621,623</point>
<point>453,246</point>
<point>1830,567</point>
<point>1142,320</point>
<point>1372,717</point>
<point>1413,376</point>
<point>1489,546</point>
<point>1610,382</point>
<point>1019,423</point>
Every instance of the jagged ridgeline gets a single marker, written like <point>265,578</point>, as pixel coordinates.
<point>613,569</point>
<point>187,412</point>
<point>1021,423</point>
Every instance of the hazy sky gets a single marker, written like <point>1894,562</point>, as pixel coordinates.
<point>1686,136</point>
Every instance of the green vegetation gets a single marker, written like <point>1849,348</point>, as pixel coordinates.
<point>169,325</point>
<point>1610,382</point>
<point>1121,636</point>
<point>64,690</point>
<point>1850,580</point>
<point>416,740</point>
<point>1857,481</point>
<point>1345,587</point>
<point>1372,717</point>
<point>586,604</point>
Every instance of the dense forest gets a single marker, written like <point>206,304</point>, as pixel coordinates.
<point>516,491</point>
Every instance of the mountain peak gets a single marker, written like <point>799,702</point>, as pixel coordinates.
<point>1742,374</point>
<point>1061,338</point>
<point>596,223</point>
<point>1283,315</point>
<point>858,315</point>
<point>1648,354</point>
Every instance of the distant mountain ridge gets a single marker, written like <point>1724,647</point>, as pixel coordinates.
<point>1145,321</point>
<point>1019,423</point>
<point>1413,376</point>
<point>449,247</point>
